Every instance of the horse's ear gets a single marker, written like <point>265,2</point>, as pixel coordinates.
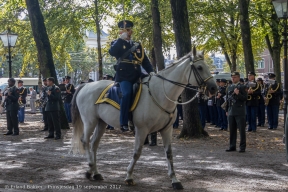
<point>194,51</point>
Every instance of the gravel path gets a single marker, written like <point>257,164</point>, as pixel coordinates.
<point>30,163</point>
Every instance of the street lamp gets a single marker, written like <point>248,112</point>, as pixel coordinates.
<point>281,7</point>
<point>9,40</point>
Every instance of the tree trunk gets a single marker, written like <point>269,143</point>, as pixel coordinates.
<point>99,51</point>
<point>275,49</point>
<point>234,61</point>
<point>191,120</point>
<point>157,37</point>
<point>45,57</point>
<point>246,35</point>
<point>153,59</point>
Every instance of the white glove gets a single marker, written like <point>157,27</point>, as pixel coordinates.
<point>152,73</point>
<point>124,35</point>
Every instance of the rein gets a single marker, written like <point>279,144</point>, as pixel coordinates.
<point>200,81</point>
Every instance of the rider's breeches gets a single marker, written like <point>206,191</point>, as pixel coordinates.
<point>127,91</point>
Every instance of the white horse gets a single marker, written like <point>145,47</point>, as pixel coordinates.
<point>155,111</point>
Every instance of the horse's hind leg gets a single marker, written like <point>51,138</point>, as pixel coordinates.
<point>98,133</point>
<point>139,141</point>
<point>167,137</point>
<point>88,129</point>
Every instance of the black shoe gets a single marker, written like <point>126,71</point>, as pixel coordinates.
<point>221,129</point>
<point>212,124</point>
<point>225,129</point>
<point>230,150</point>
<point>8,133</point>
<point>215,126</point>
<point>124,128</point>
<point>258,125</point>
<point>49,137</point>
<point>241,150</point>
<point>270,128</point>
<point>249,130</point>
<point>111,128</point>
<point>15,134</point>
<point>57,137</point>
<point>44,130</point>
<point>107,127</point>
<point>153,144</point>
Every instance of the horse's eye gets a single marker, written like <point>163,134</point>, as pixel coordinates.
<point>199,68</point>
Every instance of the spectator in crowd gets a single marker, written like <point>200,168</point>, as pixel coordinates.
<point>22,101</point>
<point>33,95</point>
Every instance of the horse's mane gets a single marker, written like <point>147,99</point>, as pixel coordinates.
<point>189,55</point>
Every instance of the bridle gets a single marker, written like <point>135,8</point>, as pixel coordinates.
<point>200,81</point>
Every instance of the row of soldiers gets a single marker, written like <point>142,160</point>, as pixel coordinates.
<point>261,96</point>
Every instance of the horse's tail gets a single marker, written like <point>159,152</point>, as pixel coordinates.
<point>76,144</point>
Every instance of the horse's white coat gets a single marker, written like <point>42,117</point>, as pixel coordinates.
<point>147,116</point>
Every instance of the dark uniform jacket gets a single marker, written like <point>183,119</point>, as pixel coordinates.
<point>220,101</point>
<point>53,99</point>
<point>23,94</point>
<point>239,107</point>
<point>12,100</point>
<point>277,96</point>
<point>261,99</point>
<point>130,67</point>
<point>255,96</point>
<point>201,99</point>
<point>68,96</point>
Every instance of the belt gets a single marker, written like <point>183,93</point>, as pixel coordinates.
<point>131,61</point>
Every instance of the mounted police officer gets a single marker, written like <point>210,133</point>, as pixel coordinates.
<point>272,97</point>
<point>22,101</point>
<point>130,56</point>
<point>44,98</point>
<point>53,108</point>
<point>11,103</point>
<point>252,103</point>
<point>236,112</point>
<point>70,90</point>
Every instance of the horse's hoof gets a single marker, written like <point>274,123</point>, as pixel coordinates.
<point>177,185</point>
<point>129,182</point>
<point>88,175</point>
<point>98,177</point>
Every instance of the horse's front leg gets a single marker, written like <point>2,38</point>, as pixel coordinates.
<point>98,133</point>
<point>167,137</point>
<point>139,141</point>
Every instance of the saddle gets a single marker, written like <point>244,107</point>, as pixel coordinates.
<point>112,95</point>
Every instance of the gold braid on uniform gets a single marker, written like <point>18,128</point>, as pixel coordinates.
<point>22,91</point>
<point>276,88</point>
<point>69,88</point>
<point>142,57</point>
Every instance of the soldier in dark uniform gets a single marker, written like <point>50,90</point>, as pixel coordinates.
<point>274,102</point>
<point>242,81</point>
<point>236,111</point>
<point>53,108</point>
<point>12,106</point>
<point>220,100</point>
<point>128,71</point>
<point>70,90</point>
<point>215,110</point>
<point>22,99</point>
<point>252,102</point>
<point>202,107</point>
<point>261,106</point>
<point>44,98</point>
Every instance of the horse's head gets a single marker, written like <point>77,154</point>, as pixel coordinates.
<point>200,72</point>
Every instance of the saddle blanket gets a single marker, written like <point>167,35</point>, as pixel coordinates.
<point>111,94</point>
